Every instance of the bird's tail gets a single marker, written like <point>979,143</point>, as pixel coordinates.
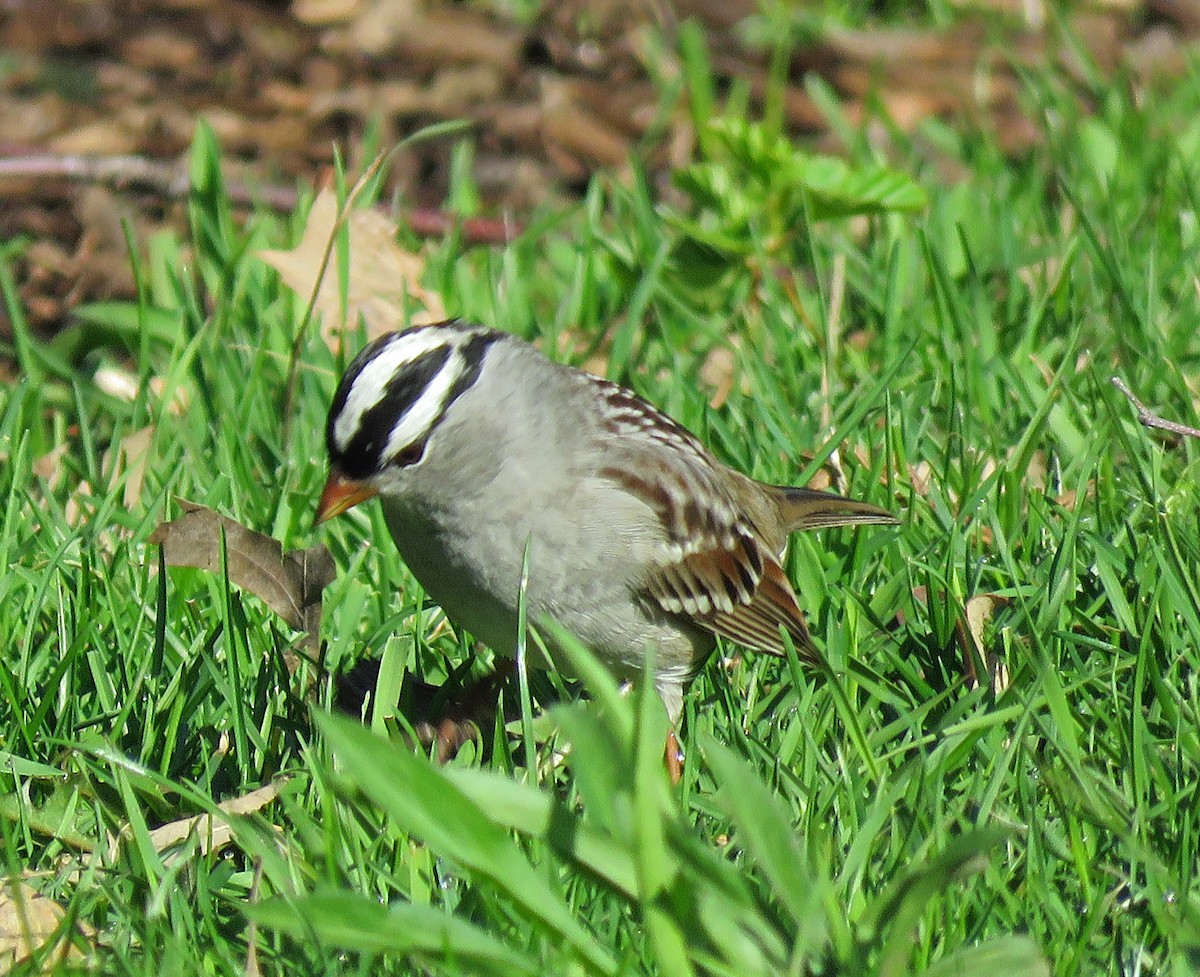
<point>803,508</point>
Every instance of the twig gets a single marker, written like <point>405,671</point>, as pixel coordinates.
<point>171,180</point>
<point>1149,419</point>
<point>289,397</point>
<point>833,332</point>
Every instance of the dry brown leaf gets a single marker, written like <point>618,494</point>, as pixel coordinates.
<point>976,614</point>
<point>822,480</point>
<point>32,120</point>
<point>213,831</point>
<point>919,476</point>
<point>81,504</point>
<point>27,921</point>
<point>100,138</point>
<point>576,137</point>
<point>456,91</point>
<point>288,583</point>
<point>161,50</point>
<point>371,26</point>
<point>49,466</point>
<point>124,384</point>
<point>284,96</point>
<point>319,13</point>
<point>381,273</point>
<point>127,458</point>
<point>49,257</point>
<point>718,372</point>
<point>427,36</point>
<point>387,98</point>
<point>1037,470</point>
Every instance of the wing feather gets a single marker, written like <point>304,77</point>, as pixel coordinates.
<point>719,570</point>
<point>734,595</point>
<point>717,573</point>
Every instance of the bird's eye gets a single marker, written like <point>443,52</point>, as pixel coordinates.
<point>409,455</point>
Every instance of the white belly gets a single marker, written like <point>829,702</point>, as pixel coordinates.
<point>582,584</point>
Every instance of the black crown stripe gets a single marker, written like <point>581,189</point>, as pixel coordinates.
<point>363,455</point>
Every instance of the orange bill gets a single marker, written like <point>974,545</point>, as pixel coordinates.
<point>340,494</point>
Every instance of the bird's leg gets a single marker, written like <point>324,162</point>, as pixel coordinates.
<point>669,683</point>
<point>674,758</point>
<point>459,721</point>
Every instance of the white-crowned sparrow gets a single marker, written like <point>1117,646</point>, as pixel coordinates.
<point>477,443</point>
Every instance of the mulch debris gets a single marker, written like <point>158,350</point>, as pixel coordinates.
<point>286,86</point>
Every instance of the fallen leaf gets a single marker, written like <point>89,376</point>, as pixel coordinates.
<point>919,476</point>
<point>127,458</point>
<point>719,371</point>
<point>822,481</point>
<point>213,831</point>
<point>1067,499</point>
<point>28,920</point>
<point>970,629</point>
<point>81,504</point>
<point>125,385</point>
<point>50,465</point>
<point>116,382</point>
<point>319,13</point>
<point>424,36</point>
<point>576,134</point>
<point>100,138</point>
<point>382,277</point>
<point>161,50</point>
<point>289,583</point>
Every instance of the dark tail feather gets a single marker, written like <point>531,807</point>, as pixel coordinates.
<point>807,509</point>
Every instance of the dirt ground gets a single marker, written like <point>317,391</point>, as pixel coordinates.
<point>99,100</point>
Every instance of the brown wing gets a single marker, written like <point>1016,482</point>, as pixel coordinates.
<point>718,570</point>
<point>737,589</point>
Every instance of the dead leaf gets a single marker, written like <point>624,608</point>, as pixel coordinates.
<point>319,13</point>
<point>116,382</point>
<point>213,831</point>
<point>970,630</point>
<point>576,137</point>
<point>81,504</point>
<point>28,920</point>
<point>100,138</point>
<point>1037,469</point>
<point>125,385</point>
<point>1067,499</point>
<point>162,50</point>
<point>288,583</point>
<point>919,476</point>
<point>822,480</point>
<point>128,458</point>
<point>428,36</point>
<point>381,275</point>
<point>719,371</point>
<point>49,466</point>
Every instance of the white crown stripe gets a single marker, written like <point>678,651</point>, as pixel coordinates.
<point>371,384</point>
<point>420,418</point>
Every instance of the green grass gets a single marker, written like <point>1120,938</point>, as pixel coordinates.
<point>878,824</point>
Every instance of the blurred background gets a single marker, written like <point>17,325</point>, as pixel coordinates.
<point>550,94</point>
